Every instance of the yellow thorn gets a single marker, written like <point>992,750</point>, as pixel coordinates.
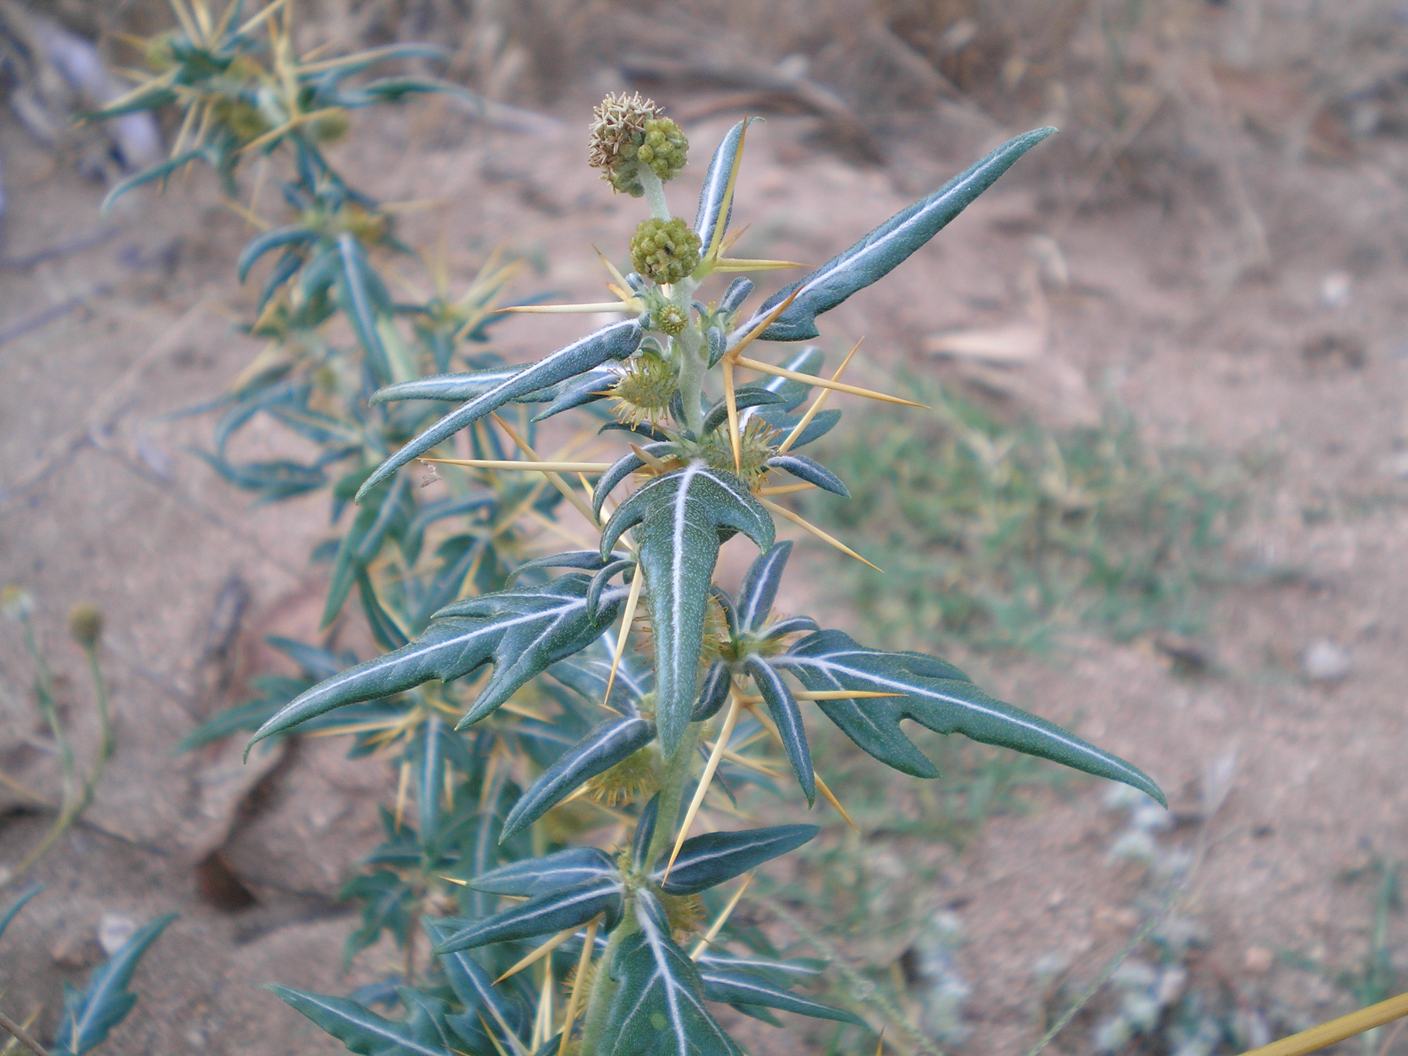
<point>825,383</point>
<point>725,206</point>
<point>825,537</point>
<point>880,1045</point>
<point>627,615</point>
<point>645,456</point>
<point>726,264</point>
<point>183,19</point>
<point>574,998</point>
<point>787,489</point>
<point>401,786</point>
<point>247,215</point>
<point>542,1028</point>
<point>584,508</point>
<point>202,19</point>
<point>731,401</point>
<point>614,271</point>
<point>292,123</point>
<point>454,880</point>
<point>767,321</point>
<point>706,779</point>
<point>719,921</point>
<point>830,797</point>
<point>566,309</point>
<point>516,464</point>
<point>825,694</point>
<point>345,60</point>
<point>254,21</point>
<point>1326,1034</point>
<point>538,954</point>
<point>817,404</point>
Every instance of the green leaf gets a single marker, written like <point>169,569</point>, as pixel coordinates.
<point>156,172</point>
<point>716,857</point>
<point>937,695</point>
<point>473,986</point>
<point>521,632</point>
<point>735,987</point>
<point>360,546</point>
<point>543,915</point>
<point>810,470</point>
<point>678,520</point>
<point>267,242</point>
<point>658,1009</point>
<point>547,875</point>
<point>363,1031</point>
<point>365,301</point>
<point>760,585</point>
<point>711,219</point>
<point>601,749</point>
<point>788,718</point>
<point>612,342</point>
<point>89,1014</point>
<point>879,252</point>
<point>465,386</point>
<point>17,905</point>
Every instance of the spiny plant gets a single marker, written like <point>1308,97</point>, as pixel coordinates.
<point>90,1014</point>
<point>664,690</point>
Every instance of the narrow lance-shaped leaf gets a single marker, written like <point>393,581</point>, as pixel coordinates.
<point>659,1006</point>
<point>601,749</point>
<point>13,910</point>
<point>521,632</point>
<point>613,342</point>
<point>474,988</point>
<point>550,873</point>
<point>363,1031</point>
<point>715,204</point>
<point>741,988</point>
<point>365,301</point>
<point>879,252</point>
<point>708,860</point>
<point>678,519</point>
<point>760,585</point>
<point>937,695</point>
<point>89,1014</point>
<point>787,716</point>
<point>541,915</point>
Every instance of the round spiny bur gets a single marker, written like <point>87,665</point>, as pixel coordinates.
<point>15,602</point>
<point>755,447</point>
<point>241,119</point>
<point>671,319</point>
<point>85,624</point>
<point>663,148</point>
<point>618,130</point>
<point>685,914</point>
<point>664,251</point>
<point>332,126</point>
<point>643,391</point>
<point>632,780</point>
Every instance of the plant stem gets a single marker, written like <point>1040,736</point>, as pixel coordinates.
<point>603,986</point>
<point>692,364</point>
<point>21,1035</point>
<point>654,194</point>
<point>75,804</point>
<point>675,775</point>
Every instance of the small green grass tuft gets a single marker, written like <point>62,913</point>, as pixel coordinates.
<point>1011,536</point>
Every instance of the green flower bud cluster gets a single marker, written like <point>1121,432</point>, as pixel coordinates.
<point>628,132</point>
<point>670,319</point>
<point>664,251</point>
